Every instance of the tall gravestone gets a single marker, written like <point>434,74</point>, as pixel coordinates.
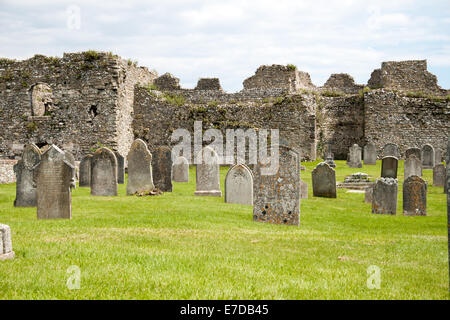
<point>391,150</point>
<point>428,156</point>
<point>139,168</point>
<point>208,174</point>
<point>324,181</point>
<point>354,157</point>
<point>239,185</point>
<point>120,168</point>
<point>277,195</point>
<point>389,166</point>
<point>180,170</point>
<point>439,175</point>
<point>414,152</point>
<point>370,154</point>
<point>414,196</point>
<point>162,168</point>
<point>384,196</point>
<point>412,166</point>
<point>25,169</point>
<point>54,183</point>
<point>104,173</point>
<point>85,171</point>
<point>6,250</point>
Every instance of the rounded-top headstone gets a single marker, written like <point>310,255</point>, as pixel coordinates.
<point>413,152</point>
<point>180,171</point>
<point>428,156</point>
<point>324,181</point>
<point>412,166</point>
<point>370,154</point>
<point>239,185</point>
<point>104,173</point>
<point>26,191</point>
<point>391,150</point>
<point>139,168</point>
<point>389,167</point>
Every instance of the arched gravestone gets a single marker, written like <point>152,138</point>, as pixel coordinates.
<point>412,166</point>
<point>162,168</point>
<point>139,161</point>
<point>439,175</point>
<point>54,183</point>
<point>104,173</point>
<point>41,99</point>
<point>414,196</point>
<point>428,156</point>
<point>414,151</point>
<point>324,181</point>
<point>180,170</point>
<point>239,185</point>
<point>354,157</point>
<point>25,169</point>
<point>6,251</point>
<point>120,168</point>
<point>277,196</point>
<point>391,150</point>
<point>85,171</point>
<point>384,196</point>
<point>370,154</point>
<point>208,174</point>
<point>389,166</point>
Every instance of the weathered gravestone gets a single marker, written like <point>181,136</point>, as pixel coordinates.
<point>303,190</point>
<point>162,168</point>
<point>370,154</point>
<point>368,194</point>
<point>412,166</point>
<point>54,183</point>
<point>414,152</point>
<point>384,196</point>
<point>277,194</point>
<point>389,166</point>
<point>71,159</point>
<point>6,251</point>
<point>208,174</point>
<point>329,158</point>
<point>414,196</point>
<point>104,173</point>
<point>324,181</point>
<point>85,171</point>
<point>428,156</point>
<point>391,150</point>
<point>25,170</point>
<point>120,168</point>
<point>139,168</point>
<point>180,170</point>
<point>354,159</point>
<point>439,175</point>
<point>239,185</point>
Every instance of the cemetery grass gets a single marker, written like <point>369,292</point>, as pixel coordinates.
<point>181,246</point>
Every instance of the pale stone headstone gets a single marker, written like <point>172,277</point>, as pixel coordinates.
<point>139,168</point>
<point>370,154</point>
<point>239,185</point>
<point>303,190</point>
<point>412,166</point>
<point>120,168</point>
<point>389,166</point>
<point>162,168</point>
<point>324,181</point>
<point>71,159</point>
<point>384,196</point>
<point>25,169</point>
<point>277,194</point>
<point>391,150</point>
<point>438,156</point>
<point>54,179</point>
<point>208,174</point>
<point>414,196</point>
<point>6,250</point>
<point>368,194</point>
<point>414,152</point>
<point>180,170</point>
<point>85,171</point>
<point>427,156</point>
<point>439,175</point>
<point>354,158</point>
<point>329,158</point>
<point>104,173</point>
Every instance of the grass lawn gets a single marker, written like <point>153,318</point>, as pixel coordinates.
<point>180,246</point>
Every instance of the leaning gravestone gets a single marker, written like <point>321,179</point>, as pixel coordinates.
<point>26,192</point>
<point>412,167</point>
<point>85,171</point>
<point>303,190</point>
<point>180,170</point>
<point>391,150</point>
<point>139,168</point>
<point>389,166</point>
<point>239,185</point>
<point>370,154</point>
<point>439,175</point>
<point>324,181</point>
<point>54,183</point>
<point>120,168</point>
<point>277,194</point>
<point>162,168</point>
<point>428,156</point>
<point>384,196</point>
<point>6,251</point>
<point>414,196</point>
<point>104,173</point>
<point>354,157</point>
<point>208,174</point>
<point>414,151</point>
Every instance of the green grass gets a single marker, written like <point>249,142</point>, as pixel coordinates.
<point>179,246</point>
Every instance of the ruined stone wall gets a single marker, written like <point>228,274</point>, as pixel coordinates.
<point>7,172</point>
<point>342,82</point>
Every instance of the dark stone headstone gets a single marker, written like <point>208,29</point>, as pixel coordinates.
<point>104,173</point>
<point>414,196</point>
<point>180,171</point>
<point>120,168</point>
<point>324,181</point>
<point>412,166</point>
<point>428,156</point>
<point>208,174</point>
<point>25,170</point>
<point>384,196</point>
<point>354,158</point>
<point>391,150</point>
<point>162,168</point>
<point>239,185</point>
<point>414,152</point>
<point>85,171</point>
<point>6,251</point>
<point>389,166</point>
<point>439,175</point>
<point>139,168</point>
<point>370,154</point>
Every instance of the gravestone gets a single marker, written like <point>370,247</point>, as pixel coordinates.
<point>180,171</point>
<point>25,170</point>
<point>329,158</point>
<point>324,181</point>
<point>439,175</point>
<point>427,156</point>
<point>447,156</point>
<point>208,174</point>
<point>354,159</point>
<point>6,251</point>
<point>303,190</point>
<point>368,194</point>
<point>384,196</point>
<point>391,150</point>
<point>414,152</point>
<point>71,159</point>
<point>239,185</point>
<point>414,196</point>
<point>139,168</point>
<point>103,173</point>
<point>412,166</point>
<point>85,171</point>
<point>389,166</point>
<point>120,168</point>
<point>370,154</point>
<point>162,168</point>
<point>438,156</point>
<point>277,194</point>
<point>54,179</point>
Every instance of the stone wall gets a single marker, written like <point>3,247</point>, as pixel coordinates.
<point>7,172</point>
<point>342,82</point>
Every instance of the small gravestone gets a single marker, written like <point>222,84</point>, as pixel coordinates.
<point>208,174</point>
<point>303,190</point>
<point>329,158</point>
<point>139,168</point>
<point>370,154</point>
<point>71,159</point>
<point>368,194</point>
<point>389,166</point>
<point>104,173</point>
<point>6,251</point>
<point>239,185</point>
<point>438,156</point>
<point>428,156</point>
<point>54,179</point>
<point>384,196</point>
<point>324,181</point>
<point>162,168</point>
<point>414,196</point>
<point>277,194</point>
<point>85,171</point>
<point>354,159</point>
<point>25,169</point>
<point>391,150</point>
<point>414,152</point>
<point>180,170</point>
<point>120,168</point>
<point>439,175</point>
<point>412,166</point>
